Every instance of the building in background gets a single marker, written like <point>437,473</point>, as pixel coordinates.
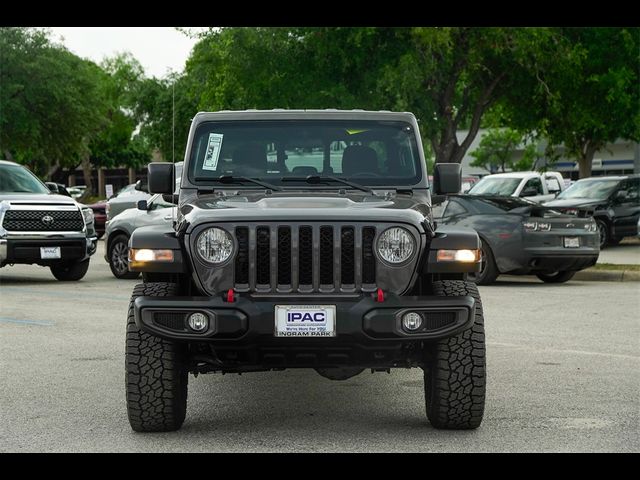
<point>617,158</point>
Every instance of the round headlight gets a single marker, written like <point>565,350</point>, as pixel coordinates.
<point>396,245</point>
<point>215,245</point>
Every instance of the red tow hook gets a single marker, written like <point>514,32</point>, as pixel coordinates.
<point>379,296</point>
<point>231,296</point>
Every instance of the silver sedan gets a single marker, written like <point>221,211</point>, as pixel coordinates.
<point>119,230</point>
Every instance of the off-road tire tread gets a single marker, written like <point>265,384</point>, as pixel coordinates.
<point>156,376</point>
<point>455,380</point>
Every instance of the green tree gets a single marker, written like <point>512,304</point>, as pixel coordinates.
<point>497,148</point>
<point>448,77</point>
<point>50,103</point>
<point>588,96</point>
<point>452,76</point>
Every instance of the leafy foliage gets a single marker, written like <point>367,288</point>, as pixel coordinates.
<point>496,151</point>
<point>50,101</point>
<point>586,97</point>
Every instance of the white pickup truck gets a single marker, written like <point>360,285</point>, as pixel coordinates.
<point>535,186</point>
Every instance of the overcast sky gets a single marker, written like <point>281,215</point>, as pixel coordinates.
<point>158,49</point>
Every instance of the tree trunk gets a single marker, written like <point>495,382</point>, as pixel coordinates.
<point>585,162</point>
<point>86,170</point>
<point>52,170</point>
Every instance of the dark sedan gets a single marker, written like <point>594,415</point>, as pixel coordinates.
<point>99,216</point>
<point>614,202</point>
<point>520,237</point>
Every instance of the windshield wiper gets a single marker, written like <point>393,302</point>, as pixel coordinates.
<point>326,178</point>
<point>227,179</point>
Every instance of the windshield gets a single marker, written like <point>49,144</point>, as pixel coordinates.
<point>592,189</point>
<point>502,186</point>
<point>17,179</point>
<point>277,152</point>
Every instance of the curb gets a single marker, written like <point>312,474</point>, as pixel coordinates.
<point>607,275</point>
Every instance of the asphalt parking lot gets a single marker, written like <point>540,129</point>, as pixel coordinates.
<point>563,375</point>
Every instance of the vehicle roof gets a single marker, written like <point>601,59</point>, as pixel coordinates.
<point>327,114</point>
<point>516,174</point>
<point>7,162</point>
<point>612,177</point>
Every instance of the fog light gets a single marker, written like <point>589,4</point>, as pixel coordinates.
<point>198,321</point>
<point>411,321</point>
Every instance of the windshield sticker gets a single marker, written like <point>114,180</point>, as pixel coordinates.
<point>213,152</point>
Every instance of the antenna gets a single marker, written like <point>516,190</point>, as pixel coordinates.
<point>173,141</point>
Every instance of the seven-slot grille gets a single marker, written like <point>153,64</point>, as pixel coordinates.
<point>305,258</point>
<point>43,220</point>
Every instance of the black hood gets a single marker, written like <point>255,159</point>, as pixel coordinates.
<point>574,203</point>
<point>301,206</point>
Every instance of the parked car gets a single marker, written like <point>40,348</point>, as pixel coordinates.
<point>77,191</point>
<point>44,228</point>
<point>466,184</point>
<point>613,201</point>
<point>520,237</point>
<point>128,196</point>
<point>119,230</point>
<point>535,186</point>
<point>99,216</point>
<point>58,188</point>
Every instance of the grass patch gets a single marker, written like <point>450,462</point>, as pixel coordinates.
<point>614,266</point>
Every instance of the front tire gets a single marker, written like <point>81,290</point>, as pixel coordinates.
<point>156,372</point>
<point>556,277</point>
<point>455,373</point>
<point>488,269</point>
<point>605,234</point>
<point>70,272</point>
<point>118,258</point>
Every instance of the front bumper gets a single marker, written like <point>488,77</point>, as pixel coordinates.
<point>359,318</point>
<point>25,249</point>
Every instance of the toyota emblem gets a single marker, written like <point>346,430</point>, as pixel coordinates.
<point>47,220</point>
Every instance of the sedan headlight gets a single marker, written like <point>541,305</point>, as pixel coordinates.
<point>396,245</point>
<point>87,215</point>
<point>214,245</point>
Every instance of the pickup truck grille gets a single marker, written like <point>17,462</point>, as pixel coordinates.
<point>43,221</point>
<point>305,258</point>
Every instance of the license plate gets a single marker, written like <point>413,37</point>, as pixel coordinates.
<point>571,242</point>
<point>305,321</point>
<point>50,252</point>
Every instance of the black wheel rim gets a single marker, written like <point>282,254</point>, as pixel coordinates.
<point>602,230</point>
<point>119,257</point>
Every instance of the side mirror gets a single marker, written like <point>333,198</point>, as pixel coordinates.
<point>141,187</point>
<point>529,192</point>
<point>52,186</point>
<point>143,205</point>
<point>170,198</point>
<point>621,195</point>
<point>447,178</point>
<point>161,177</point>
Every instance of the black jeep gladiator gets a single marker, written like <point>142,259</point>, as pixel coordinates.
<point>304,239</point>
